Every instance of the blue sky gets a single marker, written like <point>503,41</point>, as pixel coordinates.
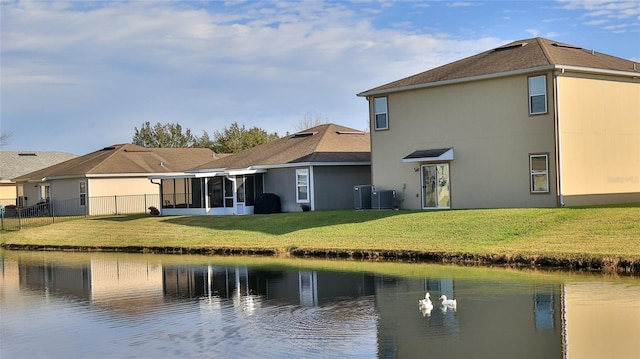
<point>77,76</point>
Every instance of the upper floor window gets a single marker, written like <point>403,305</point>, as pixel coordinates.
<point>539,169</point>
<point>302,186</point>
<point>380,113</point>
<point>537,95</point>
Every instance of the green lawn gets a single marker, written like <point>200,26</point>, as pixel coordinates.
<point>593,232</point>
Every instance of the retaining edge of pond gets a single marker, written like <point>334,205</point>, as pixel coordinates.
<point>592,264</point>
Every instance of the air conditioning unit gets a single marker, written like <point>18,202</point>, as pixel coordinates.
<point>382,199</point>
<point>362,196</point>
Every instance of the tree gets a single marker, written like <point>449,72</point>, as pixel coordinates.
<point>237,138</point>
<point>167,135</point>
<point>4,139</point>
<point>310,120</point>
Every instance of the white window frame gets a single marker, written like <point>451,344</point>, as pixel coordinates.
<point>378,110</point>
<point>536,94</point>
<point>302,172</point>
<point>45,192</point>
<point>82,190</point>
<point>535,173</point>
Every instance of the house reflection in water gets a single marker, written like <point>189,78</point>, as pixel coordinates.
<point>598,322</point>
<point>302,288</point>
<point>499,318</point>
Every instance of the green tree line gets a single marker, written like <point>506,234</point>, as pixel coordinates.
<point>232,139</point>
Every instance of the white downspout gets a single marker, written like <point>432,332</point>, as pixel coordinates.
<point>558,136</point>
<point>312,194</point>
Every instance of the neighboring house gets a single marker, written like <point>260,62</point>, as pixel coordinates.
<point>315,169</point>
<point>17,163</point>
<point>534,123</point>
<point>111,180</point>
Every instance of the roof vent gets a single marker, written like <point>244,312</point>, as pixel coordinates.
<point>566,46</point>
<point>27,154</point>
<point>350,132</point>
<point>510,46</point>
<point>304,134</point>
<point>110,148</point>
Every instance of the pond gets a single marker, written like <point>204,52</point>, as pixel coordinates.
<point>100,305</point>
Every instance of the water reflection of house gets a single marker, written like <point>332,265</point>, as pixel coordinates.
<point>127,287</point>
<point>292,287</point>
<point>9,281</point>
<point>598,322</point>
<point>121,286</point>
<point>500,321</point>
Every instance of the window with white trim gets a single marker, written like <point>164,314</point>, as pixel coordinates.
<point>83,194</point>
<point>537,95</point>
<point>539,173</point>
<point>381,120</point>
<point>302,186</point>
<point>45,192</point>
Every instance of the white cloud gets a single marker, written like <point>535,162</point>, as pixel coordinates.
<point>596,22</point>
<point>105,68</point>
<point>595,8</point>
<point>533,32</point>
<point>460,4</point>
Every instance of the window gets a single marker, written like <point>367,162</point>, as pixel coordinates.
<point>537,95</point>
<point>45,191</point>
<point>380,113</point>
<point>539,168</point>
<point>302,186</point>
<point>83,194</point>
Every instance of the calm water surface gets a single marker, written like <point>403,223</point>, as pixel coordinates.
<point>74,305</point>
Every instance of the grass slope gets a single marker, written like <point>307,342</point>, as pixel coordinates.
<point>594,232</point>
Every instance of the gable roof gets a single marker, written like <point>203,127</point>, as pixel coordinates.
<point>521,56</point>
<point>125,159</point>
<point>328,143</point>
<point>17,163</point>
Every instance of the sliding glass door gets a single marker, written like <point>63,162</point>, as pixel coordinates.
<point>435,186</point>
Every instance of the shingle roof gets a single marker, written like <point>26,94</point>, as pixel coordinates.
<point>526,54</point>
<point>126,159</point>
<point>324,143</point>
<point>17,163</point>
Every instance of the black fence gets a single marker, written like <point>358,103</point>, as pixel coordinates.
<point>13,217</point>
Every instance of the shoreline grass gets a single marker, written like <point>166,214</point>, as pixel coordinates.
<point>610,234</point>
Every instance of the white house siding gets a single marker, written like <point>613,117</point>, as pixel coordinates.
<point>334,185</point>
<point>488,125</point>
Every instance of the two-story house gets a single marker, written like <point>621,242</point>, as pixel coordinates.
<point>533,123</point>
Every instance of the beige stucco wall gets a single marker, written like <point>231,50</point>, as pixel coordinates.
<point>599,139</point>
<point>488,125</point>
<point>121,186</point>
<point>7,191</point>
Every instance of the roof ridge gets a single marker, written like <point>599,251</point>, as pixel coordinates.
<point>545,50</point>
<point>118,148</point>
<point>324,129</point>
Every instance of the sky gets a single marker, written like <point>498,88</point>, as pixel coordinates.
<point>77,76</point>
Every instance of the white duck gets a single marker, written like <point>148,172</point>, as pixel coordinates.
<point>425,305</point>
<point>448,302</point>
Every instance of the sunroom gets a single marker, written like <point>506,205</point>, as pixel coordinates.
<point>212,192</point>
